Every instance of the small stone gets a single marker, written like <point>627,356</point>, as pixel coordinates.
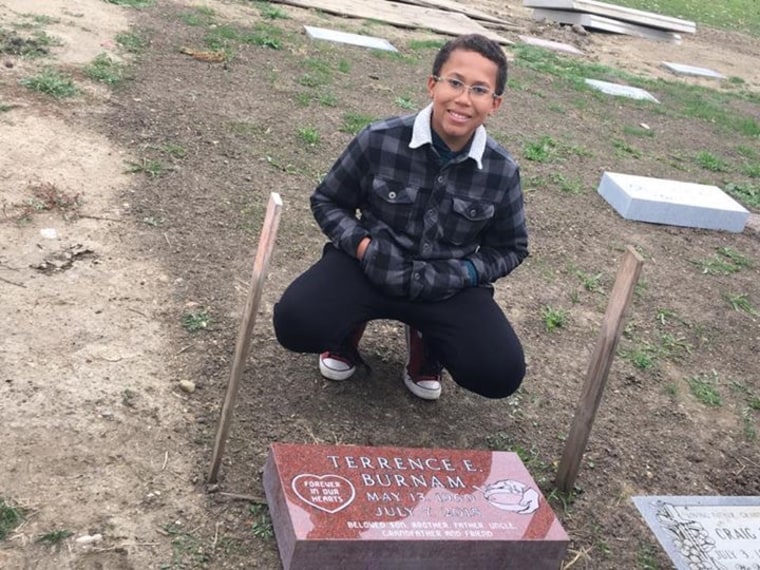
<point>49,233</point>
<point>644,126</point>
<point>187,386</point>
<point>89,539</point>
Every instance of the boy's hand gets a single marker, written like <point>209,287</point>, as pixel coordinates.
<point>362,247</point>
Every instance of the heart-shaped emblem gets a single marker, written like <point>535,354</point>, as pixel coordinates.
<point>328,493</point>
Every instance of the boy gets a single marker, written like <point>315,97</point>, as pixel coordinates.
<point>440,217</point>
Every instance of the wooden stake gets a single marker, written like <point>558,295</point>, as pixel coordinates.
<point>243,345</point>
<point>599,368</point>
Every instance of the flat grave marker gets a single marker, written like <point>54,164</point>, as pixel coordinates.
<point>683,69</point>
<point>710,533</point>
<point>552,45</point>
<point>348,38</point>
<point>388,508</point>
<point>621,90</point>
<point>663,201</point>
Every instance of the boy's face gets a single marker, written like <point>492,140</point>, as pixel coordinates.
<point>457,113</point>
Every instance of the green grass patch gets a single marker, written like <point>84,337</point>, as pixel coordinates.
<point>150,167</point>
<point>741,302</point>
<point>704,387</point>
<point>201,16</point>
<point>568,185</point>
<point>10,517</point>
<point>55,536</point>
<point>541,150</point>
<point>711,162</point>
<point>637,131</point>
<point>131,42</point>
<point>752,170</point>
<point>405,103</point>
<point>51,82</point>
<point>747,194</point>
<point>262,522</point>
<point>622,148</point>
<point>725,262</point>
<point>742,15</point>
<point>271,12</point>
<point>355,122</point>
<point>105,69</point>
<point>194,321</point>
<point>309,135</point>
<point>554,318</point>
<point>425,45</point>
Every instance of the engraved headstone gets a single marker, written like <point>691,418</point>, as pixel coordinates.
<point>621,90</point>
<point>389,508</point>
<point>663,201</point>
<point>710,533</point>
<point>348,38</point>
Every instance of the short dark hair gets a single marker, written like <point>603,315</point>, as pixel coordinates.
<point>479,44</point>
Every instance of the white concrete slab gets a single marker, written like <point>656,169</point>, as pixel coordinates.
<point>640,17</point>
<point>549,44</point>
<point>662,201</point>
<point>683,69</point>
<point>621,90</point>
<point>605,24</point>
<point>347,38</point>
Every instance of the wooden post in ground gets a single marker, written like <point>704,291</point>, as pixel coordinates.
<point>599,368</point>
<point>243,345</point>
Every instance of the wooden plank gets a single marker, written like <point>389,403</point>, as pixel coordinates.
<point>599,369</point>
<point>605,24</point>
<point>616,12</point>
<point>243,345</point>
<point>401,15</point>
<point>457,7</point>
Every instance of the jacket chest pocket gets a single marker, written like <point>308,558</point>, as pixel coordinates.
<point>393,203</point>
<point>466,220</point>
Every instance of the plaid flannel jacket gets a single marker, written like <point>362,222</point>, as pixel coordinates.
<point>425,220</point>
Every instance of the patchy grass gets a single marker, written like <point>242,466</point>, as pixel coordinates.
<point>47,197</point>
<point>711,162</point>
<point>733,15</point>
<point>262,522</point>
<point>10,517</point>
<point>308,135</point>
<point>194,321</point>
<point>37,44</point>
<point>741,303</point>
<point>553,318</point>
<point>355,122</point>
<point>51,82</point>
<point>747,194</point>
<point>704,387</point>
<point>150,167</point>
<point>55,536</point>
<point>132,3</point>
<point>131,42</point>
<point>725,262</point>
<point>105,69</point>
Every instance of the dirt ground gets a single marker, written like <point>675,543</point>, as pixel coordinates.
<point>99,266</point>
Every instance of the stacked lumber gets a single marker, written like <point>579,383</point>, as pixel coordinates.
<point>611,18</point>
<point>443,16</point>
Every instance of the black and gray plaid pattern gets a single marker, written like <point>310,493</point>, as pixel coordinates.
<point>424,219</point>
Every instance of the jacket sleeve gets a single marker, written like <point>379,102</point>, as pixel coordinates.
<point>504,244</point>
<point>337,198</point>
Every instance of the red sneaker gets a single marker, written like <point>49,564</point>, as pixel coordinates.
<point>422,373</point>
<point>341,364</point>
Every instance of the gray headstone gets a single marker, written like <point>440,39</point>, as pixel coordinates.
<point>663,201</point>
<point>621,90</point>
<point>347,38</point>
<point>710,533</point>
<point>683,69</point>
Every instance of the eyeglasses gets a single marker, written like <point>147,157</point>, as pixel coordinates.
<point>458,87</point>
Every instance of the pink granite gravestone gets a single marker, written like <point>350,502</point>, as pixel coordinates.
<point>379,508</point>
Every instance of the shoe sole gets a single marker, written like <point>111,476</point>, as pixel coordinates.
<point>335,375</point>
<point>421,391</point>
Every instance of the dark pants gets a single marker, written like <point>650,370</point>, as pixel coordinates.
<point>468,332</point>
